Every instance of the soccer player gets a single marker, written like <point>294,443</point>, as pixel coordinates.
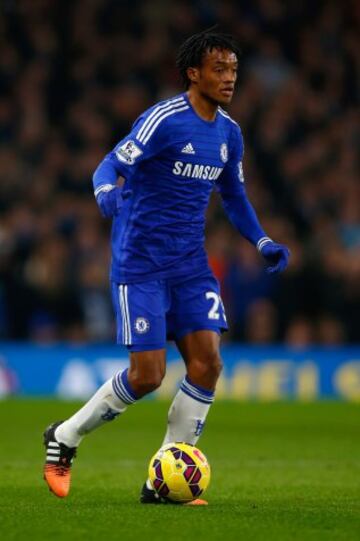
<point>177,152</point>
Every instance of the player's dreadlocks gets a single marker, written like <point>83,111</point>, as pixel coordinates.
<point>191,52</point>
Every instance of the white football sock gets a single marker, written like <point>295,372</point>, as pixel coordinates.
<point>187,413</point>
<point>108,402</point>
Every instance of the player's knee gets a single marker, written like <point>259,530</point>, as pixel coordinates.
<point>150,384</point>
<point>143,384</point>
<point>208,367</point>
<point>214,364</point>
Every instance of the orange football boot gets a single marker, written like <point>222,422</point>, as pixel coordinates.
<point>198,501</point>
<point>57,468</point>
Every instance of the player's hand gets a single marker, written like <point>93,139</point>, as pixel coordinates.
<point>276,255</point>
<point>111,202</point>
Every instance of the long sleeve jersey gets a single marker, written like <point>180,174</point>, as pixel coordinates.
<point>171,161</point>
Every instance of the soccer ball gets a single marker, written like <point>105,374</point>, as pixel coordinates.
<point>179,472</point>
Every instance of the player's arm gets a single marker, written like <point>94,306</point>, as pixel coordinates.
<point>109,196</point>
<point>241,213</point>
<point>123,161</point>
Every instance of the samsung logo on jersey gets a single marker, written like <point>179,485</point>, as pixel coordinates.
<point>193,170</point>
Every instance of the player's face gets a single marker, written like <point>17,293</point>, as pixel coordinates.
<point>217,76</point>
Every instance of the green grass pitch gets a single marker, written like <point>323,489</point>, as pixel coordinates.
<point>279,471</point>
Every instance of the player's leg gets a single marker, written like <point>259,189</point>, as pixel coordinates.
<point>197,317</point>
<point>144,375</point>
<point>189,409</point>
<point>146,371</point>
<point>141,327</point>
<point>188,412</point>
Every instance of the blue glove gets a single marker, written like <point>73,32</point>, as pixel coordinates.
<point>276,255</point>
<point>110,199</point>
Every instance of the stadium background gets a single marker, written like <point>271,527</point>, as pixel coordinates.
<point>75,75</point>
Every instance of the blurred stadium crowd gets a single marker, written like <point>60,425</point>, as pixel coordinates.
<point>73,78</point>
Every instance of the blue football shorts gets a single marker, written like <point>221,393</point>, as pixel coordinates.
<point>149,313</point>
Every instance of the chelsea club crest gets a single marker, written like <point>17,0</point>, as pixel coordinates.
<point>142,325</point>
<point>224,155</point>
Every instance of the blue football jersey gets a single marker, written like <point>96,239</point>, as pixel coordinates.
<point>171,161</point>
